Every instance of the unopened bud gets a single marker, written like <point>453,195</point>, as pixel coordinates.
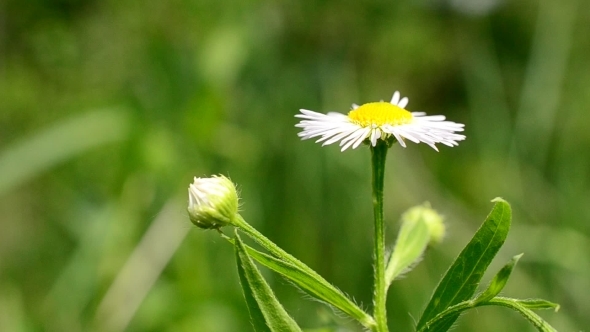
<point>212,202</point>
<point>434,221</point>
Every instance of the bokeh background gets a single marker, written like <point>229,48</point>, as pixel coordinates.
<point>109,108</point>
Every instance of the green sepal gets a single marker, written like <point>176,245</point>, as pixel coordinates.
<point>267,314</point>
<point>461,280</point>
<point>499,281</point>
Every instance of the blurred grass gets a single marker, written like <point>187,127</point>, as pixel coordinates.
<point>108,109</point>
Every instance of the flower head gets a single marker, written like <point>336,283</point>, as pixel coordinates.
<point>212,202</point>
<point>379,120</point>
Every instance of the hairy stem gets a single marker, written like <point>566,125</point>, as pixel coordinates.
<point>378,154</point>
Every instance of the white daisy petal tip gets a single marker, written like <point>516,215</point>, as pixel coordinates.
<point>395,98</point>
<point>376,121</point>
<point>403,102</point>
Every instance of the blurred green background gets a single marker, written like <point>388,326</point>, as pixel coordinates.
<point>109,108</point>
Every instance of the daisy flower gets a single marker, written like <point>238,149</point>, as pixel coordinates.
<point>379,120</point>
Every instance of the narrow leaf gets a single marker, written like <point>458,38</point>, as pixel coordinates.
<point>410,245</point>
<point>318,288</point>
<point>313,280</point>
<point>256,316</point>
<point>499,281</point>
<point>463,277</point>
<point>538,304</point>
<point>266,312</point>
<point>536,320</point>
<point>440,322</point>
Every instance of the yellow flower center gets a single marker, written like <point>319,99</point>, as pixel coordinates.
<point>378,114</point>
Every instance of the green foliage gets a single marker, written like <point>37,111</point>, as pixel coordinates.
<point>538,322</point>
<point>312,283</point>
<point>265,310</point>
<point>452,297</point>
<point>536,304</point>
<point>499,281</point>
<point>461,280</point>
<point>440,323</point>
<point>190,88</point>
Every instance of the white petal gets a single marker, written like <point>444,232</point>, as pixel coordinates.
<point>362,138</point>
<point>403,103</point>
<point>340,136</point>
<point>399,139</point>
<point>359,134</point>
<point>395,98</point>
<point>375,134</point>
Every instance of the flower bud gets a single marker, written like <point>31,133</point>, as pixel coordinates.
<point>434,221</point>
<point>212,202</point>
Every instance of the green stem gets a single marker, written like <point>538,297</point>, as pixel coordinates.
<point>378,154</point>
<point>268,244</point>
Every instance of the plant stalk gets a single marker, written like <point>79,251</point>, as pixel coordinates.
<point>378,154</point>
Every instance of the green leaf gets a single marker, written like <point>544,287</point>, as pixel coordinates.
<point>499,281</point>
<point>302,275</point>
<point>318,288</point>
<point>461,280</point>
<point>538,304</point>
<point>411,242</point>
<point>536,320</point>
<point>266,312</point>
<point>440,322</point>
<point>444,319</point>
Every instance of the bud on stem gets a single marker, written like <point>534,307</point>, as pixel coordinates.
<point>212,202</point>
